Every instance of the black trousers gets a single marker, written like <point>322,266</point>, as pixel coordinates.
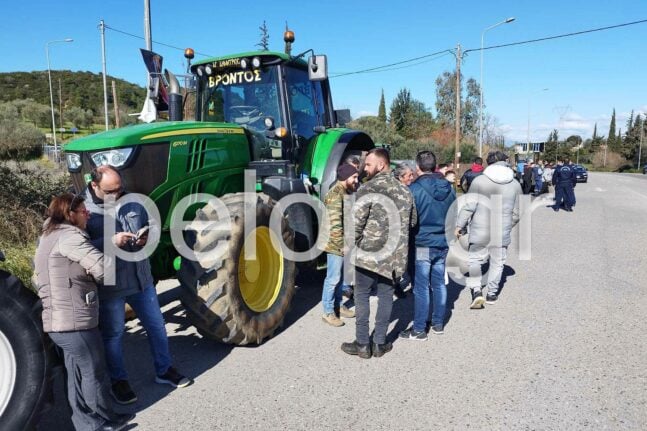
<point>364,282</point>
<point>87,387</point>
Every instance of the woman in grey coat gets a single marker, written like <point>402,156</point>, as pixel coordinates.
<point>67,268</point>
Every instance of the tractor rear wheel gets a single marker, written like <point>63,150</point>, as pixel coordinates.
<point>240,301</point>
<point>25,362</point>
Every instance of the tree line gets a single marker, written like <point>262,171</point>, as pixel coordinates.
<point>615,151</point>
<point>410,126</point>
<point>26,115</point>
<point>79,89</point>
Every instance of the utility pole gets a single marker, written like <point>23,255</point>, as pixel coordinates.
<point>457,136</point>
<point>578,154</point>
<point>147,25</point>
<point>115,104</point>
<point>102,28</point>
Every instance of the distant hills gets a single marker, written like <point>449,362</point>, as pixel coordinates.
<point>81,89</point>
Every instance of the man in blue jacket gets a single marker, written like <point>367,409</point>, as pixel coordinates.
<point>564,180</point>
<point>433,196</point>
<point>134,286</point>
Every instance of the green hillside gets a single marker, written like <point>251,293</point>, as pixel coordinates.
<point>81,89</point>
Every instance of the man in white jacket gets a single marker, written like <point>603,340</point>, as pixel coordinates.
<point>491,211</point>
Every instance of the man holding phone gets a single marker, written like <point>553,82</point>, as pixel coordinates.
<point>134,286</point>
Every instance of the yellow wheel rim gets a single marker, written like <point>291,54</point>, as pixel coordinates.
<point>260,279</point>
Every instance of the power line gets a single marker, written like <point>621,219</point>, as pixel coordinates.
<point>493,47</point>
<point>558,36</point>
<point>389,67</point>
<point>410,65</point>
<point>158,43</point>
<point>377,68</point>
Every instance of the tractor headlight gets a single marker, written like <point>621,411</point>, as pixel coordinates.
<point>116,158</point>
<point>73,161</point>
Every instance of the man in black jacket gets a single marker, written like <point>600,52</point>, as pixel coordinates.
<point>474,171</point>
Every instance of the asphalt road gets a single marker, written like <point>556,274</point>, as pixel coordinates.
<point>563,349</point>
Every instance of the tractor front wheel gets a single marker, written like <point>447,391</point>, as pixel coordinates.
<point>239,300</point>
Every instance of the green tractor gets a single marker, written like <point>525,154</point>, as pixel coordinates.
<point>269,112</point>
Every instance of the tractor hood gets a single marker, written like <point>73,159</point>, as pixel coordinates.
<point>147,133</point>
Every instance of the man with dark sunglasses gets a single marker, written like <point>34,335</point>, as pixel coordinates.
<point>134,286</point>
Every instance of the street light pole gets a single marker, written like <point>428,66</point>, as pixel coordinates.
<point>506,21</point>
<point>640,146</point>
<point>102,29</point>
<point>51,93</point>
<point>528,130</point>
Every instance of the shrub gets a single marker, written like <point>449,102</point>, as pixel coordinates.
<point>19,261</point>
<point>613,161</point>
<point>20,140</point>
<point>25,192</point>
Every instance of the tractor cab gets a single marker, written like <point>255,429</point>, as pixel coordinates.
<point>270,95</point>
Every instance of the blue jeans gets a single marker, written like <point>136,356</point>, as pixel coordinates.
<point>331,296</point>
<point>539,184</point>
<point>111,323</point>
<point>430,275</point>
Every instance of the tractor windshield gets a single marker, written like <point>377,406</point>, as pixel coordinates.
<point>244,97</point>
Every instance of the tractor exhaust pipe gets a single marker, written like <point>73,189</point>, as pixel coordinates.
<point>175,111</point>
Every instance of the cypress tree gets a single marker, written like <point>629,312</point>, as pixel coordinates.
<point>381,111</point>
<point>611,137</point>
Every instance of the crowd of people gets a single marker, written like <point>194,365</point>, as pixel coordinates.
<point>543,177</point>
<point>83,314</point>
<point>424,200</point>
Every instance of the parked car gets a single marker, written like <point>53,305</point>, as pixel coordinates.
<point>581,174</point>
<point>645,169</point>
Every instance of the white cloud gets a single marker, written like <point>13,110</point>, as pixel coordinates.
<point>364,114</point>
<point>572,123</point>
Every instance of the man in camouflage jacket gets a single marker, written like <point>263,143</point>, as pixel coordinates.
<point>331,296</point>
<point>383,214</point>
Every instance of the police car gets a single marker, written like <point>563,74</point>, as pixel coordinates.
<point>581,174</point>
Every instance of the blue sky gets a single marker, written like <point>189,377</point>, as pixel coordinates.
<point>586,76</point>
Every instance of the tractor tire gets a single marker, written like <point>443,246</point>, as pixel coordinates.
<point>25,361</point>
<point>238,301</point>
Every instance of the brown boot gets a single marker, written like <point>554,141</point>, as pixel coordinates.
<point>354,348</point>
<point>346,312</point>
<point>332,320</point>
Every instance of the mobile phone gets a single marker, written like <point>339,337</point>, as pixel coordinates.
<point>141,232</point>
<point>90,297</point>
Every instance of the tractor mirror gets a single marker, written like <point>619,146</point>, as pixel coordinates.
<point>343,117</point>
<point>317,68</point>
